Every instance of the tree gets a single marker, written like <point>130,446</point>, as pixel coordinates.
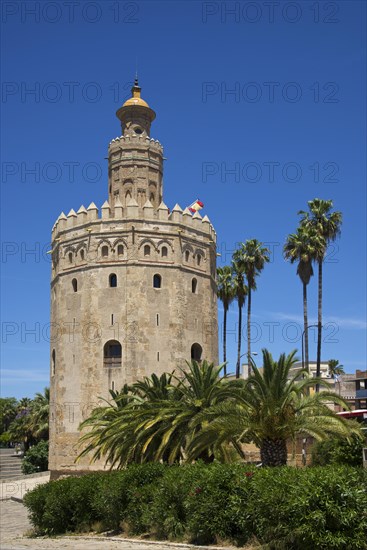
<point>334,368</point>
<point>31,422</point>
<point>240,290</point>
<point>226,293</point>
<point>273,407</point>
<point>20,430</point>
<point>252,256</point>
<point>8,411</point>
<point>159,421</point>
<point>327,225</point>
<point>301,247</point>
<point>39,415</point>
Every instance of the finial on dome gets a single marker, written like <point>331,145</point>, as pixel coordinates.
<point>136,89</point>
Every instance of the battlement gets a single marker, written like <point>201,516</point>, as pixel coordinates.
<point>135,140</point>
<point>182,219</point>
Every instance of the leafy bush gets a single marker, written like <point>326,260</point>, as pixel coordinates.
<point>5,439</point>
<point>36,459</point>
<point>64,505</point>
<point>119,489</point>
<point>284,508</point>
<point>338,451</point>
<point>309,508</point>
<point>76,503</point>
<point>168,514</point>
<point>216,504</point>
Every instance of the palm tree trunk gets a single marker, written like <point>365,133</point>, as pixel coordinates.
<point>238,366</point>
<point>305,325</point>
<point>249,331</point>
<point>273,452</point>
<point>225,340</point>
<point>319,325</point>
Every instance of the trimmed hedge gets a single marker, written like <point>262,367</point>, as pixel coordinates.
<point>286,508</point>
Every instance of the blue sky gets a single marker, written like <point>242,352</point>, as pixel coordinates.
<point>259,111</point>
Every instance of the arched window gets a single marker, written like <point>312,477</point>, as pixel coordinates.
<point>146,250</point>
<point>196,351</point>
<point>151,197</point>
<point>198,259</point>
<point>120,250</point>
<point>164,252</point>
<point>112,354</point>
<point>187,256</point>
<point>74,282</point>
<point>113,280</point>
<point>82,254</point>
<point>194,285</point>
<point>127,196</point>
<point>157,281</point>
<point>53,362</point>
<point>104,251</point>
<point>70,257</point>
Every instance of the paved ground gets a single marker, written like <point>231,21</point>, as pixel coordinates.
<point>14,523</point>
<point>16,488</point>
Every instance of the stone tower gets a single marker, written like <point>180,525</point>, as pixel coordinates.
<point>133,288</point>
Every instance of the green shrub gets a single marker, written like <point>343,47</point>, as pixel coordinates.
<point>5,439</point>
<point>216,503</point>
<point>309,508</point>
<point>76,503</point>
<point>168,513</point>
<point>36,459</point>
<point>64,505</point>
<point>338,451</point>
<point>118,488</point>
<point>35,501</point>
<point>283,508</point>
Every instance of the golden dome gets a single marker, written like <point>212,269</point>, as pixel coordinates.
<point>136,99</point>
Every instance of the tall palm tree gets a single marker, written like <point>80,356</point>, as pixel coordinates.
<point>225,292</point>
<point>39,414</point>
<point>273,407</point>
<point>335,369</point>
<point>300,247</point>
<point>24,404</point>
<point>253,256</point>
<point>327,225</point>
<point>240,291</point>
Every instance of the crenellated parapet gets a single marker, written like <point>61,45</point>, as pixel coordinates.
<point>92,216</point>
<point>135,141</point>
<point>94,236</point>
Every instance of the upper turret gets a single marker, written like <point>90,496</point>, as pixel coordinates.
<point>135,115</point>
<point>135,161</point>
